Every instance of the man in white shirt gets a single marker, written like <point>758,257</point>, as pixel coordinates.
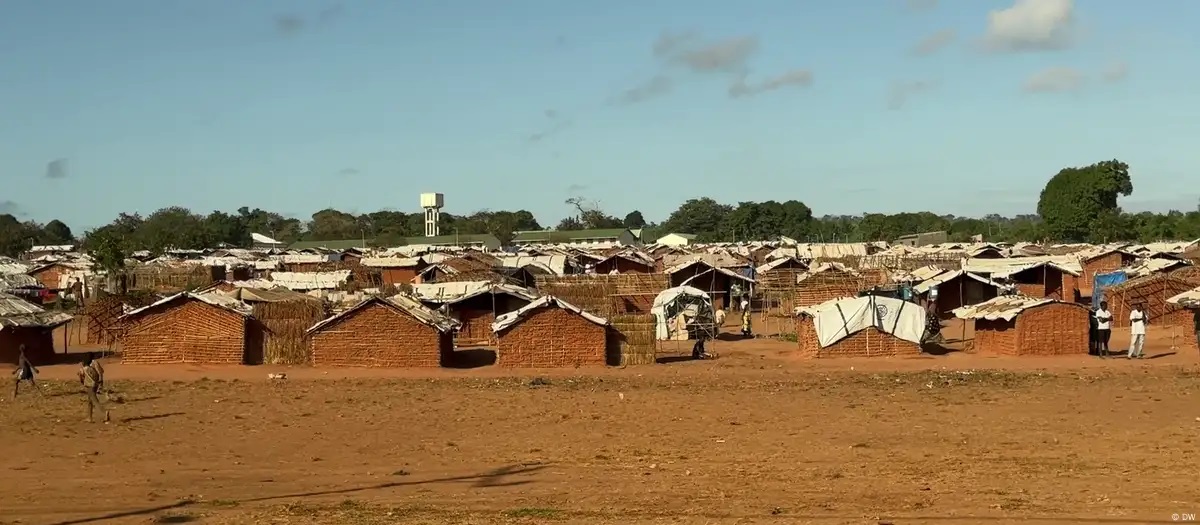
<point>1103,329</point>
<point>1137,332</point>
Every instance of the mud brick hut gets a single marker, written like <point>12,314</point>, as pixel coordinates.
<point>869,326</point>
<point>446,269</point>
<point>625,261</point>
<point>305,262</point>
<point>57,276</point>
<point>280,319</point>
<point>25,323</point>
<point>205,328</point>
<point>702,275</point>
<point>1019,325</point>
<point>475,305</point>
<point>1190,301</point>
<point>395,271</point>
<point>957,289</point>
<point>1153,291</point>
<point>551,333</point>
<point>396,332</point>
<point>1100,260</point>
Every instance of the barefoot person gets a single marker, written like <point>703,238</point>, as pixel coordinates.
<point>25,372</point>
<point>92,379</point>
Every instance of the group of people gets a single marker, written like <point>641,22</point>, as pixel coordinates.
<point>91,377</point>
<point>1102,320</point>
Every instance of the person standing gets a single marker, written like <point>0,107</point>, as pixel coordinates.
<point>25,372</point>
<point>1137,332</point>
<point>746,332</point>
<point>92,379</point>
<point>1103,329</point>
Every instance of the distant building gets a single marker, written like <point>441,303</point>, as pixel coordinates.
<point>676,239</point>
<point>620,236</point>
<point>43,251</point>
<point>262,242</point>
<point>923,239</point>
<point>465,240</point>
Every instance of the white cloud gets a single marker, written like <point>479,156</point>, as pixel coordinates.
<point>1055,80</point>
<point>796,77</point>
<point>1031,25</point>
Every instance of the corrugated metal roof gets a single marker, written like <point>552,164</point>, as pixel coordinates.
<point>507,320</point>
<point>1153,265</point>
<point>390,262</point>
<point>775,263</point>
<point>453,292</point>
<point>1005,307</point>
<point>17,312</point>
<point>1188,299</point>
<point>699,260</point>
<point>420,312</point>
<point>8,281</point>
<point>1006,267</point>
<point>267,295</point>
<point>311,280</point>
<point>213,298</point>
<point>945,277</point>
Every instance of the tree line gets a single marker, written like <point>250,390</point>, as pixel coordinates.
<point>1079,204</point>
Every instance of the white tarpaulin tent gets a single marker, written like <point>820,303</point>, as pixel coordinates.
<point>675,308</point>
<point>838,319</point>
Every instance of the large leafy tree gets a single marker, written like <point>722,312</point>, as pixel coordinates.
<point>634,220</point>
<point>1079,204</point>
<point>704,217</point>
<point>57,232</point>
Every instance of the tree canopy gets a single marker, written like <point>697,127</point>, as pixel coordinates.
<point>1077,204</point>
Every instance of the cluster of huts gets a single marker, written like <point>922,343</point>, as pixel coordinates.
<point>572,305</point>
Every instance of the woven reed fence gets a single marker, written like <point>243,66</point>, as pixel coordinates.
<point>283,324</point>
<point>631,340</point>
<point>606,295</point>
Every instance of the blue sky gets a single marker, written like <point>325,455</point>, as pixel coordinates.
<point>874,105</point>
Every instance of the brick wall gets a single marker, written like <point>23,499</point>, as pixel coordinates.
<point>865,343</point>
<point>39,346</point>
<point>50,276</point>
<point>186,330</point>
<point>379,335</point>
<point>476,326</point>
<point>995,337</point>
<point>398,276</point>
<point>1053,329</point>
<point>1032,290</point>
<point>1102,264</point>
<point>552,338</point>
<point>1153,292</point>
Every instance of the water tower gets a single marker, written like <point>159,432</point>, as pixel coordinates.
<point>432,204</point>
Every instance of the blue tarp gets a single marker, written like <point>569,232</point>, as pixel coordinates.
<point>1106,280</point>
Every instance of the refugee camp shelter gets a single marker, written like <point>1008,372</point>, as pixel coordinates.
<point>201,328</point>
<point>868,326</point>
<point>25,323</point>
<point>625,261</point>
<point>1101,260</point>
<point>1022,325</point>
<point>956,289</point>
<point>395,332</point>
<point>1190,302</point>
<point>550,333</point>
<point>474,304</point>
<point>716,281</point>
<point>682,313</point>
<point>395,271</point>
<point>1153,291</point>
<point>280,319</point>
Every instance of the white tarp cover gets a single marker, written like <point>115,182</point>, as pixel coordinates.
<point>697,304</point>
<point>837,320</point>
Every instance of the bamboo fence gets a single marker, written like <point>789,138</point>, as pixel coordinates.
<point>606,295</point>
<point>284,341</point>
<point>631,340</point>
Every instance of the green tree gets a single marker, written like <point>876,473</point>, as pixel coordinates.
<point>227,229</point>
<point>274,225</point>
<point>703,217</point>
<point>634,220</point>
<point>1078,201</point>
<point>16,236</point>
<point>173,228</point>
<point>331,225</point>
<point>56,232</point>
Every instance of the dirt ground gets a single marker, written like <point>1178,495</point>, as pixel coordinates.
<point>753,437</point>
